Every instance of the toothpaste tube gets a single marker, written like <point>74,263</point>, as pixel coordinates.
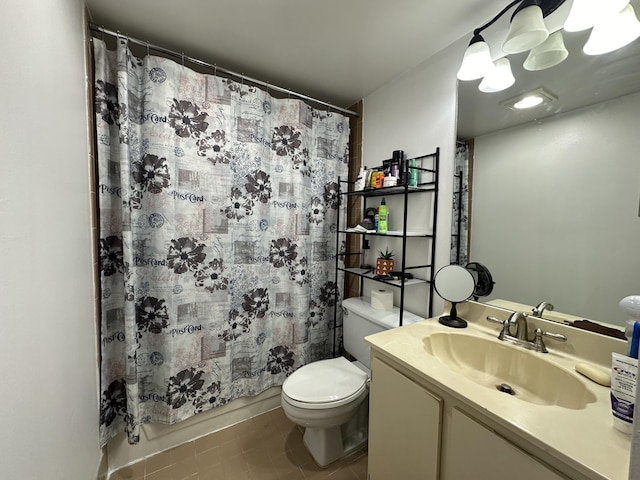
<point>623,391</point>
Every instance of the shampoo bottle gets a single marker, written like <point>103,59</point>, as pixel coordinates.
<point>383,217</point>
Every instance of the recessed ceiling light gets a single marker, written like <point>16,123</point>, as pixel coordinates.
<point>529,101</point>
<point>535,98</point>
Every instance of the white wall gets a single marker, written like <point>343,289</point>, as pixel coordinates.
<point>555,210</point>
<point>417,113</point>
<point>49,408</point>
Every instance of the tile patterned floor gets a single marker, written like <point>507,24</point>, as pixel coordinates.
<point>266,447</point>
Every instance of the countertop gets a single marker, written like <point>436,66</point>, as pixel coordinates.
<point>584,439</point>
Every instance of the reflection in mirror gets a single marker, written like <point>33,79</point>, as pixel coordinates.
<point>554,190</point>
<point>455,284</point>
<point>482,278</point>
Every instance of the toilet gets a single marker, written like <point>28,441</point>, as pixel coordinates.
<point>330,398</point>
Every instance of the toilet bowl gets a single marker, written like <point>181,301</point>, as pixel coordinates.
<point>324,397</point>
<point>330,398</point>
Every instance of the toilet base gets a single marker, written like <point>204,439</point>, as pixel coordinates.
<point>326,445</point>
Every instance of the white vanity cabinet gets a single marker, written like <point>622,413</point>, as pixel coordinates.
<point>416,434</point>
<point>474,451</point>
<point>404,427</point>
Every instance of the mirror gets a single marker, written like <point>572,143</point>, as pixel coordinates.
<point>455,284</point>
<point>555,190</point>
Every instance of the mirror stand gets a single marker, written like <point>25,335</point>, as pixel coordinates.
<point>452,320</point>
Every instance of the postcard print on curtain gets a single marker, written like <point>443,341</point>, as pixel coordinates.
<point>218,208</point>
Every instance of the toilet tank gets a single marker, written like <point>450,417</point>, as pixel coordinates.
<point>361,319</point>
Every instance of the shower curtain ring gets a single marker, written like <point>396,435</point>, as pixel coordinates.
<point>183,59</point>
<point>215,69</point>
<point>121,38</point>
<point>102,31</point>
<point>148,48</point>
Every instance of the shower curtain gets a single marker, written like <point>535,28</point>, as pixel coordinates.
<point>460,256</point>
<point>217,219</point>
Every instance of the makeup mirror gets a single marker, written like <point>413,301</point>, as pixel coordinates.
<point>454,284</point>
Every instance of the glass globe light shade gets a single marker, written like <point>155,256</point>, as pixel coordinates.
<point>585,14</point>
<point>476,62</point>
<point>613,32</point>
<point>527,30</point>
<point>548,54</point>
<point>499,78</point>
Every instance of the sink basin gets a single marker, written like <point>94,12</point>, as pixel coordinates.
<point>510,369</point>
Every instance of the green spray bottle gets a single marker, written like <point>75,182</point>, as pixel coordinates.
<point>383,217</point>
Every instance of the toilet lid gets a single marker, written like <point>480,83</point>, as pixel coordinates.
<point>325,381</point>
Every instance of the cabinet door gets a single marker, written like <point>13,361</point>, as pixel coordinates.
<point>474,451</point>
<point>404,427</point>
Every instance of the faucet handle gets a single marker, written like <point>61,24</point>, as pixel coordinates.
<point>505,326</point>
<point>556,336</point>
<point>495,320</point>
<point>539,343</point>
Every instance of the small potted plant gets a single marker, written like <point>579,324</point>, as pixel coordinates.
<point>384,262</point>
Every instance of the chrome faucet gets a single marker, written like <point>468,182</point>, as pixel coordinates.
<point>539,309</point>
<point>519,319</point>
<point>521,336</point>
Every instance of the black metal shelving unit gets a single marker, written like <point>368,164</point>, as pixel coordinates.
<point>405,191</point>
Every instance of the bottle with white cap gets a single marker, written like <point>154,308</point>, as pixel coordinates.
<point>359,183</point>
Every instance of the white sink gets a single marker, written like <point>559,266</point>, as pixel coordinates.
<point>524,374</point>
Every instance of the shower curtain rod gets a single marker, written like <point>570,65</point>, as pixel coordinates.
<point>268,86</point>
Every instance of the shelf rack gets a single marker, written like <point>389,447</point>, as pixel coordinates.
<point>346,190</point>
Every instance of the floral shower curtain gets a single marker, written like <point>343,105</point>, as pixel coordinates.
<point>460,251</point>
<point>218,207</point>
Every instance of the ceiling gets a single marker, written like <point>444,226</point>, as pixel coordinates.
<point>338,51</point>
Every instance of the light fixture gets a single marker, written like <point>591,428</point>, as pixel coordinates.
<point>499,78</point>
<point>585,14</point>
<point>534,98</point>
<point>477,60</point>
<point>614,25</point>
<point>548,54</point>
<point>613,32</point>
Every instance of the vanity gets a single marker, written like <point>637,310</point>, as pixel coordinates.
<point>436,411</point>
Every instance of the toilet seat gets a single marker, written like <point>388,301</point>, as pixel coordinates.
<point>325,384</point>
